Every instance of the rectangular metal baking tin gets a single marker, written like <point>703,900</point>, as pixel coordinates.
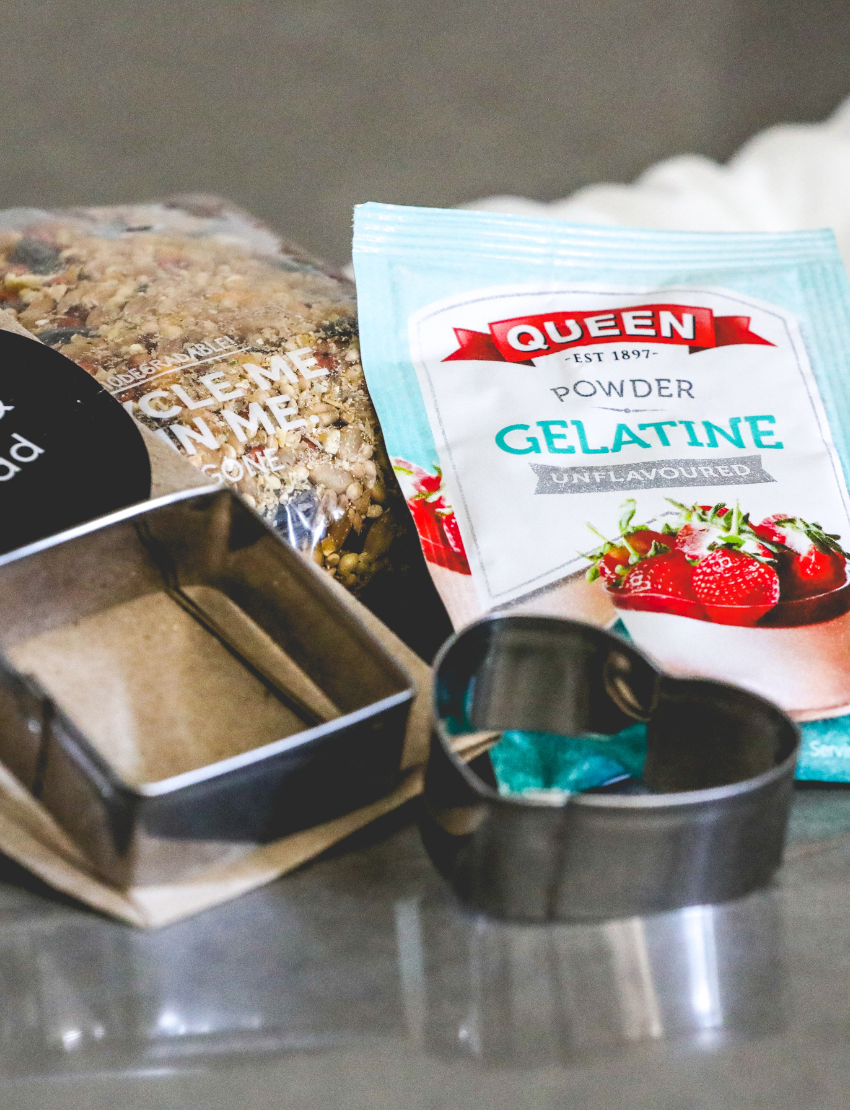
<point>166,829</point>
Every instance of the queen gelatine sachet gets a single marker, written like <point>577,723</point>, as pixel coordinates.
<point>627,426</point>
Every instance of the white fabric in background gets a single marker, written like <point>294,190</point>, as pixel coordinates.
<point>787,178</point>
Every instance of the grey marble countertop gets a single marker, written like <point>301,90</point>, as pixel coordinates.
<point>359,984</point>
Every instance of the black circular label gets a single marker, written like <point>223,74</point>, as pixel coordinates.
<point>68,451</point>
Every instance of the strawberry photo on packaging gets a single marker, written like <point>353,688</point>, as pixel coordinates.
<point>435,522</point>
<point>784,580</point>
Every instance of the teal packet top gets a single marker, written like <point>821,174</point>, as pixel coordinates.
<point>606,423</point>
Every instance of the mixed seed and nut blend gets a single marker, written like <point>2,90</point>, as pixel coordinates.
<point>238,350</point>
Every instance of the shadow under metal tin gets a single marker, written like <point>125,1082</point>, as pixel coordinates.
<point>718,776</point>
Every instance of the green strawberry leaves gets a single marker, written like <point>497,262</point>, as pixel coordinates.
<point>826,542</point>
<point>733,529</point>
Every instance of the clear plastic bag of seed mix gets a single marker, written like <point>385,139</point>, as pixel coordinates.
<point>235,347</point>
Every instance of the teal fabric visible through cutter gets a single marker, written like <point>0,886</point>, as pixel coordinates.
<point>528,762</point>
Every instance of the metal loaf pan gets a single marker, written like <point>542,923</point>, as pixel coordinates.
<point>206,572</point>
<point>719,772</point>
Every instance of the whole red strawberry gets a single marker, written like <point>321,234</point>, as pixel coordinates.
<point>693,539</point>
<point>618,558</point>
<point>663,583</point>
<point>814,563</point>
<point>612,560</point>
<point>641,541</point>
<point>735,588</point>
<point>612,564</point>
<point>707,527</point>
<point>816,572</point>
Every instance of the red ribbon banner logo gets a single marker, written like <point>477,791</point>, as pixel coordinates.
<point>527,337</point>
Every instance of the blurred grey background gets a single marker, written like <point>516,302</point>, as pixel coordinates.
<point>298,109</point>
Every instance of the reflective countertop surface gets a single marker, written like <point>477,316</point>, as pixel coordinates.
<point>359,983</point>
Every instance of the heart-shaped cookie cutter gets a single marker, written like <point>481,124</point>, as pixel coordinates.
<point>719,773</point>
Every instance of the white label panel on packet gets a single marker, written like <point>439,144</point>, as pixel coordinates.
<point>551,405</point>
